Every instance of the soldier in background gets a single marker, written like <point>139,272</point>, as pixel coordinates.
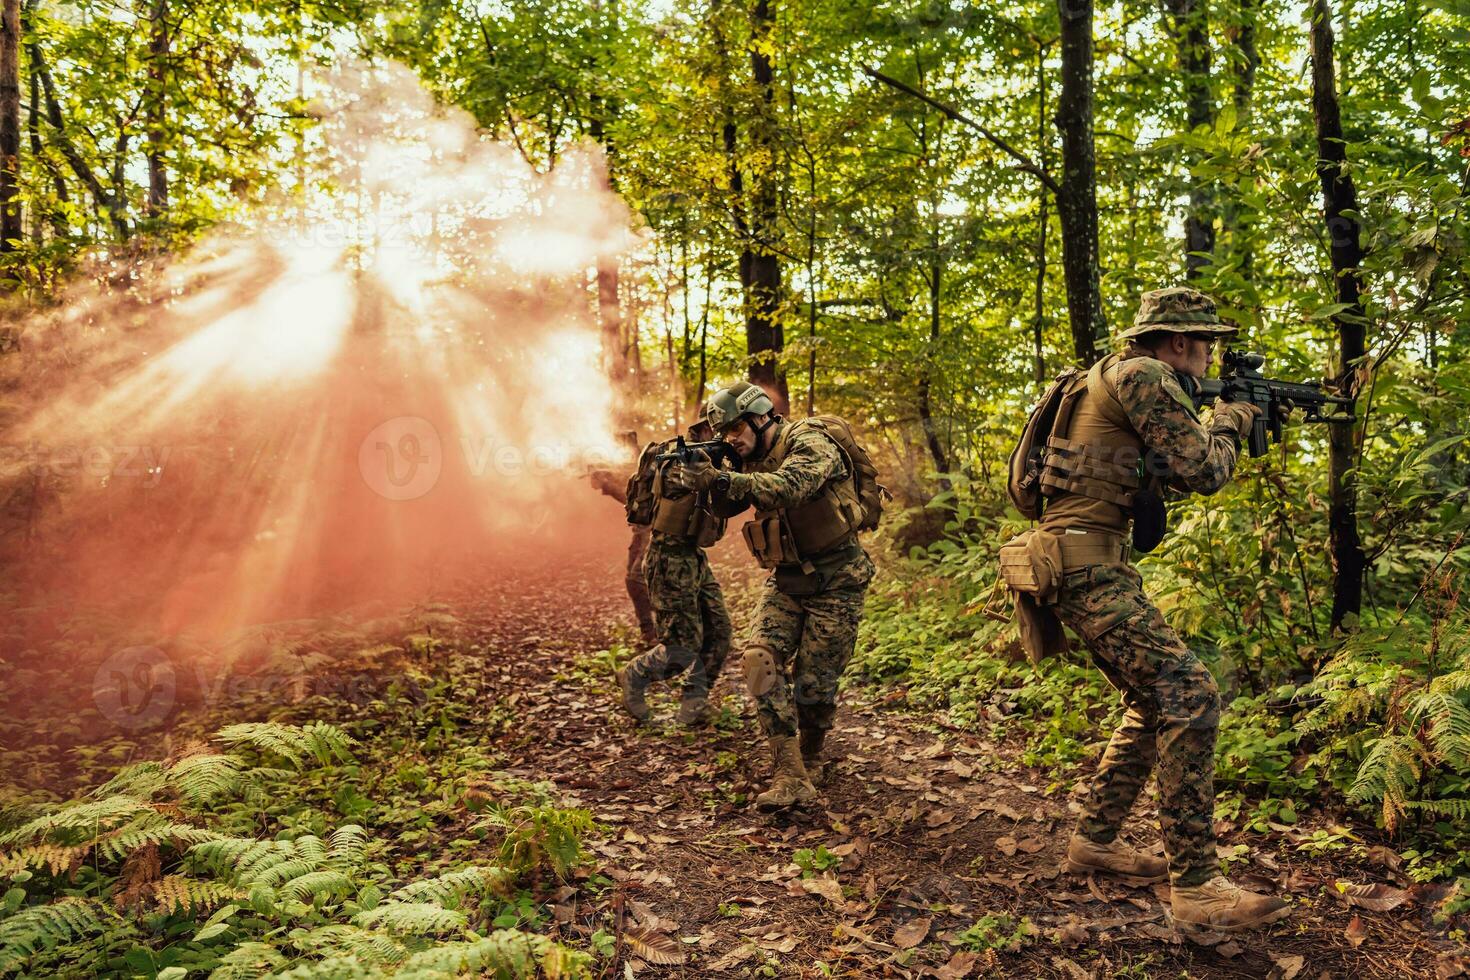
<point>615,486</point>
<point>813,490</point>
<point>693,627</point>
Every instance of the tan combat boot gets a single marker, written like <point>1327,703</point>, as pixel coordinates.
<point>789,783</point>
<point>1086,856</point>
<point>633,682</point>
<point>1221,906</point>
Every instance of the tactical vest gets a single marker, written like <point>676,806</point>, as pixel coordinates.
<point>1090,466</point>
<point>827,522</point>
<point>683,518</point>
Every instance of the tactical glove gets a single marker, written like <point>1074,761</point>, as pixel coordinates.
<point>1235,418</point>
<point>693,477</point>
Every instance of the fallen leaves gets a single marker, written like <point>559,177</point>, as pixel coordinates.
<point>1355,932</point>
<point>827,887</point>
<point>912,933</point>
<point>1376,897</point>
<point>1286,967</point>
<point>960,965</point>
<point>657,948</point>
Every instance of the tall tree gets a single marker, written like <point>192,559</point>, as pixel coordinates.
<point>760,265</point>
<point>1192,39</point>
<point>1077,194</point>
<point>156,105</point>
<point>1340,210</point>
<point>11,228</point>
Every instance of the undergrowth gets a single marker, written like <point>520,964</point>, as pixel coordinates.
<point>382,843</point>
<point>1376,719</point>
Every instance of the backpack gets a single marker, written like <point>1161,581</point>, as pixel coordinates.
<point>1023,485</point>
<point>639,499</point>
<point>870,493</point>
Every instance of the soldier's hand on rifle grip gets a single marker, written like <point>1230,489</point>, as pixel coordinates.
<point>1236,418</point>
<point>694,476</point>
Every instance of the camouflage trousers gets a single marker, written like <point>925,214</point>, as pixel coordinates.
<point>1171,714</point>
<point>634,580</point>
<point>693,628</point>
<point>799,646</point>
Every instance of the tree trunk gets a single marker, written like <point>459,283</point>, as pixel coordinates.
<point>926,366</point>
<point>1191,34</point>
<point>1077,194</point>
<point>1236,221</point>
<point>11,227</point>
<point>760,265</point>
<point>1038,319</point>
<point>54,215</point>
<point>156,103</point>
<point>1340,207</point>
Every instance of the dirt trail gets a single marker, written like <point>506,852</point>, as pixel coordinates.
<point>930,850</point>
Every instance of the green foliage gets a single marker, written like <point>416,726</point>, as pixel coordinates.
<point>996,932</point>
<point>540,835</point>
<point>158,851</point>
<point>814,862</point>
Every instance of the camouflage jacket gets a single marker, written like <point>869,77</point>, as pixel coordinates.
<point>1163,415</point>
<point>812,461</point>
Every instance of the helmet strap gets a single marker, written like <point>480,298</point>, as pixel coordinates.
<point>760,431</point>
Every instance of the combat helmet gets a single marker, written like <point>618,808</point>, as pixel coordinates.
<point>1177,309</point>
<point>728,405</point>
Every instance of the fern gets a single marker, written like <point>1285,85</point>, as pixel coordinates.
<point>348,843</point>
<point>178,893</point>
<point>141,779</point>
<point>317,884</point>
<point>1457,810</point>
<point>412,918</point>
<point>505,953</point>
<point>346,940</point>
<point>59,859</point>
<point>451,888</point>
<point>318,740</point>
<point>89,816</point>
<point>249,961</point>
<point>1389,773</point>
<point>40,927</point>
<point>202,779</point>
<point>1448,719</point>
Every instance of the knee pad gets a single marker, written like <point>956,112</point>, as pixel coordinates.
<point>759,664</point>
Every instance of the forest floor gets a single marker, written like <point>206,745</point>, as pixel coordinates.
<point>933,853</point>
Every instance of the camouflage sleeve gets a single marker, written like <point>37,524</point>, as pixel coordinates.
<point>811,461</point>
<point>1164,417</point>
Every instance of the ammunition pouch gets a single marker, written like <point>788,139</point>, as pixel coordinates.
<point>799,535</point>
<point>684,518</point>
<point>1033,565</point>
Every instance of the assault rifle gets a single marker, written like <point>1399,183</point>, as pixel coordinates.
<point>721,453</point>
<point>1241,381</point>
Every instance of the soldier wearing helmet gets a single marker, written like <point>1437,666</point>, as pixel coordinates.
<point>1132,411</point>
<point>802,482</point>
<point>691,623</point>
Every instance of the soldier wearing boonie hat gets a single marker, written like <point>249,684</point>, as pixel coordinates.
<point>1093,481</point>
